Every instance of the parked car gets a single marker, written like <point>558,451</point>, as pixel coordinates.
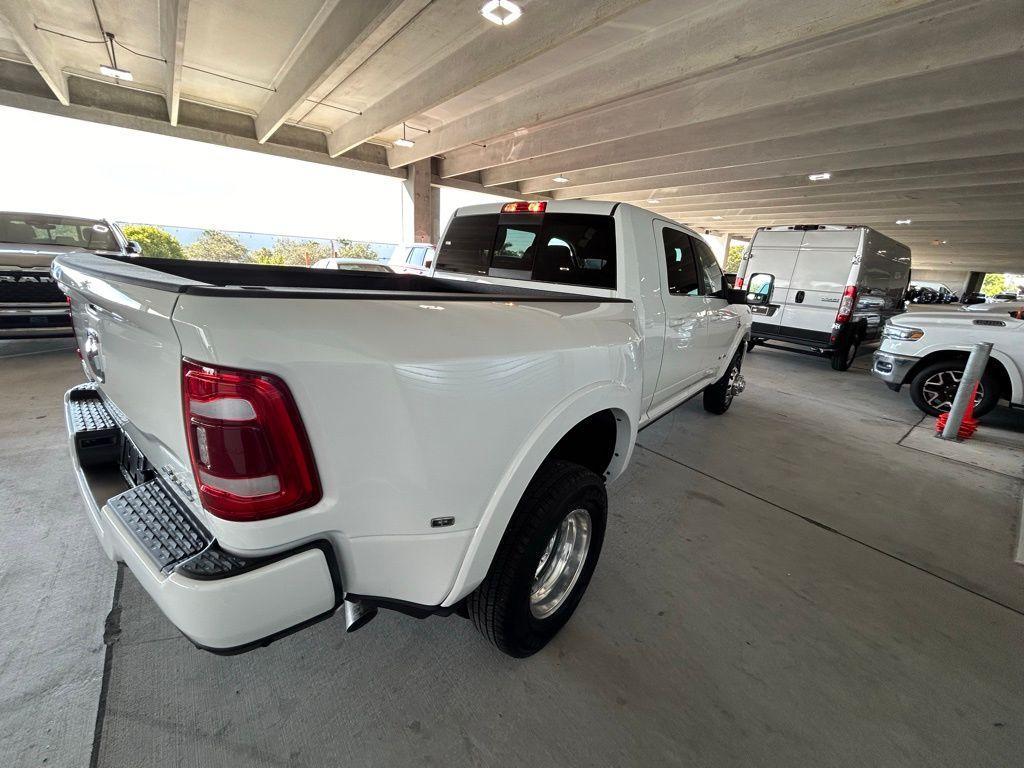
<point>1001,297</point>
<point>362,265</point>
<point>31,304</point>
<point>974,298</point>
<point>928,352</point>
<point>1002,306</point>
<point>921,292</point>
<point>835,286</point>
<point>413,259</point>
<point>507,390</point>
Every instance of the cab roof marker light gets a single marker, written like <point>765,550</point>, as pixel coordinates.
<point>501,12</point>
<point>522,206</point>
<point>824,176</point>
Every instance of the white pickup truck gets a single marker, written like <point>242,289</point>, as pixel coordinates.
<point>928,351</point>
<point>265,445</point>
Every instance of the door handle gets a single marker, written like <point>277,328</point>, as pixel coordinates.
<point>799,297</point>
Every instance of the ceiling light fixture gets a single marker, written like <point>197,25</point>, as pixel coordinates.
<point>116,72</point>
<point>560,179</point>
<point>824,176</point>
<point>405,141</point>
<point>501,12</point>
<point>904,221</point>
<point>717,218</point>
<point>653,200</point>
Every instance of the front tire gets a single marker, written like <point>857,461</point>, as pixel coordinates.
<point>934,387</point>
<point>545,560</point>
<point>719,396</point>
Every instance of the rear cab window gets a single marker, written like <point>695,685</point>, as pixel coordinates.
<point>564,248</point>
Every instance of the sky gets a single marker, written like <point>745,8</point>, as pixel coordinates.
<point>59,165</point>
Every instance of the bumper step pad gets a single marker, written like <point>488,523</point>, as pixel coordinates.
<point>96,432</point>
<point>159,522</point>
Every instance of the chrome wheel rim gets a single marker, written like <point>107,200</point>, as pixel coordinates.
<point>561,564</point>
<point>939,389</point>
<point>730,389</point>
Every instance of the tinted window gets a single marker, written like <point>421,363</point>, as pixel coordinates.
<point>711,273</point>
<point>416,256</point>
<point>679,263</point>
<point>571,249</point>
<point>467,244</point>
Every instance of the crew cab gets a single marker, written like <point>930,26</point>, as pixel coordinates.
<point>265,445</point>
<point>31,304</point>
<point>928,351</point>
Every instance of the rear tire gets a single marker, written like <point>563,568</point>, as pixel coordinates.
<point>843,357</point>
<point>719,396</point>
<point>529,593</point>
<point>934,386</point>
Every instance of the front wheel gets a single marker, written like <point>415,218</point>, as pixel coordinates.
<point>545,560</point>
<point>719,396</point>
<point>935,386</point>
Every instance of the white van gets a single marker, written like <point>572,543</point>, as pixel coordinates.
<point>834,287</point>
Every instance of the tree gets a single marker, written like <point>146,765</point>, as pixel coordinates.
<point>995,282</point>
<point>155,242</point>
<point>214,245</point>
<point>349,250</point>
<point>267,256</point>
<point>298,253</point>
<point>733,258</point>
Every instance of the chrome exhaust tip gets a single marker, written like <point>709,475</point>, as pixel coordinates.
<point>357,615</point>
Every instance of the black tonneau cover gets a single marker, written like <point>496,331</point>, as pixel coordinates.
<point>207,278</point>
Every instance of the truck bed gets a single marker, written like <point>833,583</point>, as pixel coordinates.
<point>201,278</point>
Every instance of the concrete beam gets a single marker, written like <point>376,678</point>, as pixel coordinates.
<point>347,37</point>
<point>690,48</point>
<point>17,15</point>
<point>484,56</point>
<point>839,64</point>
<point>963,123</point>
<point>998,151</point>
<point>173,24</point>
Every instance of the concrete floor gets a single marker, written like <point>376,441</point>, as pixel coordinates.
<point>784,585</point>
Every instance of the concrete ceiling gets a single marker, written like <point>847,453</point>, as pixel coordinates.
<point>716,109</point>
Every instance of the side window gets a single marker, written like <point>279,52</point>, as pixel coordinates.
<point>679,263</point>
<point>416,256</point>
<point>710,272</point>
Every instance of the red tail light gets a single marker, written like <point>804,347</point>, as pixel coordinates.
<point>524,207</point>
<point>847,304</point>
<point>739,282</point>
<point>250,454</point>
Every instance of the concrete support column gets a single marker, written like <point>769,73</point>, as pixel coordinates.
<point>417,214</point>
<point>727,237</point>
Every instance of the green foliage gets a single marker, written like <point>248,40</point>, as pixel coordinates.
<point>733,258</point>
<point>214,245</point>
<point>267,257</point>
<point>155,242</point>
<point>297,253</point>
<point>349,250</point>
<point>994,283</point>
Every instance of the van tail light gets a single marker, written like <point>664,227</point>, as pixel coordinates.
<point>846,305</point>
<point>250,454</point>
<point>739,283</point>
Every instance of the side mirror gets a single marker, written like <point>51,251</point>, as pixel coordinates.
<point>759,289</point>
<point>134,248</point>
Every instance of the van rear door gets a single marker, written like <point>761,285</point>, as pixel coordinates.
<point>816,285</point>
<point>773,252</point>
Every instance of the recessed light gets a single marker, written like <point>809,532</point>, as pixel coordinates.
<point>820,176</point>
<point>943,242</point>
<point>116,72</point>
<point>904,221</point>
<point>501,12</point>
<point>717,218</point>
<point>654,201</point>
<point>560,179</point>
<point>404,143</point>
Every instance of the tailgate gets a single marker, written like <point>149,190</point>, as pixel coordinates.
<point>130,349</point>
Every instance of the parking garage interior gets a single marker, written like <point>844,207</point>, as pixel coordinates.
<point>810,579</point>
